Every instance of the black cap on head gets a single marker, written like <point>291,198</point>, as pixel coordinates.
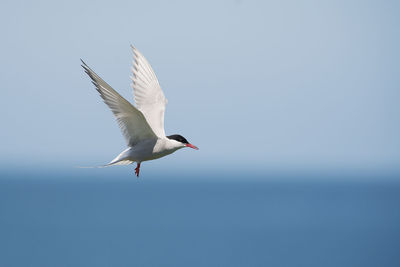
<point>178,138</point>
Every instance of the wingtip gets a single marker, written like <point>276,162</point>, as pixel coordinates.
<point>135,52</point>
<point>84,65</point>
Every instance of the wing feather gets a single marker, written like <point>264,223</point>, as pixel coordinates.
<point>132,122</point>
<point>148,95</point>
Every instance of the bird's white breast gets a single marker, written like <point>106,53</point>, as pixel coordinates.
<point>151,149</point>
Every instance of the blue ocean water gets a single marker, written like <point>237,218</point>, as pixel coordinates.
<point>83,220</point>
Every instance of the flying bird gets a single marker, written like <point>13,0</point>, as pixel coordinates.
<point>143,125</point>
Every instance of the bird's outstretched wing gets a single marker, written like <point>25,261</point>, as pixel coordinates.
<point>131,121</point>
<point>149,97</point>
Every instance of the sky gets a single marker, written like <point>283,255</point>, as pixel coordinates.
<point>254,84</point>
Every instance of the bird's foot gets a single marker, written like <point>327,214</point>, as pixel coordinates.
<point>137,169</point>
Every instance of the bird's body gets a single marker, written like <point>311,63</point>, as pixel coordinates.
<point>143,125</point>
<point>148,149</point>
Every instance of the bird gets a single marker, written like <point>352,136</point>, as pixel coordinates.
<point>142,125</point>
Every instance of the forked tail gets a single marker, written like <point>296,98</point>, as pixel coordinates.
<point>121,162</point>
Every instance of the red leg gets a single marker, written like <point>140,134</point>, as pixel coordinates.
<point>137,169</point>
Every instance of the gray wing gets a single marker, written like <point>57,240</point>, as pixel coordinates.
<point>149,97</point>
<point>132,122</point>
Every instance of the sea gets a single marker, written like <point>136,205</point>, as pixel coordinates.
<point>85,218</point>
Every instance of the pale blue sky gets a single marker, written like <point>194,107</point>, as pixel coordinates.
<point>254,84</point>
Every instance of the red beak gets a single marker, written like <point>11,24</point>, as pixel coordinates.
<point>192,146</point>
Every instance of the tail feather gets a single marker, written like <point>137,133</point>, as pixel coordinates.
<point>91,167</point>
<point>121,162</point>
<point>121,159</point>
